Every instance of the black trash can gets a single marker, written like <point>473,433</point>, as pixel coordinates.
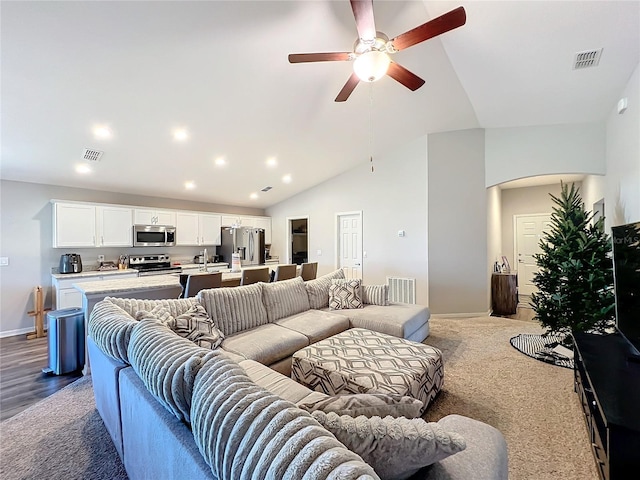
<point>66,341</point>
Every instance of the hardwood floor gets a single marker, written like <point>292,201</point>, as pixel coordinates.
<point>22,382</point>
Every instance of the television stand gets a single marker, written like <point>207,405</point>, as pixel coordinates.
<point>608,385</point>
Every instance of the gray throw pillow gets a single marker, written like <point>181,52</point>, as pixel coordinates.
<point>318,289</point>
<point>367,404</point>
<point>375,295</point>
<point>195,325</point>
<point>345,294</point>
<point>396,448</point>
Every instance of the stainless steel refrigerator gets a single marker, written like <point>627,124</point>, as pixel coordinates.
<point>246,241</point>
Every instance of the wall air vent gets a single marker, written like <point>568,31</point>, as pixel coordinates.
<point>586,59</point>
<point>266,189</point>
<point>92,155</point>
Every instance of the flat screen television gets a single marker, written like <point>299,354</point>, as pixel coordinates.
<point>626,280</point>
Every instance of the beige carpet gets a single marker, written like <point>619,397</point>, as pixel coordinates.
<point>531,402</point>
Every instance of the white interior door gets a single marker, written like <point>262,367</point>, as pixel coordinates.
<point>350,244</point>
<point>529,230</point>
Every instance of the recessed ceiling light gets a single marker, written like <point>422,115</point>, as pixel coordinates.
<point>253,196</point>
<point>102,131</point>
<point>220,161</point>
<point>180,134</point>
<point>190,185</point>
<point>83,168</point>
<point>286,179</point>
<point>272,162</point>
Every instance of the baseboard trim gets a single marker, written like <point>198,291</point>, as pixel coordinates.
<point>13,333</point>
<point>462,315</point>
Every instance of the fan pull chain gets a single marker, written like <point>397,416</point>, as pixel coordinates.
<point>371,126</point>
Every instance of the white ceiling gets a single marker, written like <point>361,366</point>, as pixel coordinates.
<point>220,70</point>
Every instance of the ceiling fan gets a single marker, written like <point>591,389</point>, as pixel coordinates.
<point>372,48</point>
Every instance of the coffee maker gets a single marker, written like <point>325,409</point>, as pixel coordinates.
<point>70,263</point>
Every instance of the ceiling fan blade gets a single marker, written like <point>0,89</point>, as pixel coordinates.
<point>404,76</point>
<point>319,57</point>
<point>348,88</point>
<point>363,13</point>
<point>453,19</point>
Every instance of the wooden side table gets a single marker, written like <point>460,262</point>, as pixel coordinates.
<point>504,293</point>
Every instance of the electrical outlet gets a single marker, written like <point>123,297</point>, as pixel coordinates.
<point>101,258</point>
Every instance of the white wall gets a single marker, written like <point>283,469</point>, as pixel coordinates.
<point>592,190</point>
<point>521,152</point>
<point>458,259</point>
<point>622,199</point>
<point>26,238</point>
<point>392,198</point>
<point>494,230</point>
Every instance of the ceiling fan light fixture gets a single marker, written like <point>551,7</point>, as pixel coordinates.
<point>371,66</point>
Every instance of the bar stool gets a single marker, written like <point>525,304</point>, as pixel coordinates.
<point>201,281</point>
<point>285,272</point>
<point>308,271</point>
<point>254,275</point>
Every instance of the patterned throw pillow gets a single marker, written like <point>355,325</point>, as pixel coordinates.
<point>375,295</point>
<point>345,294</point>
<point>396,448</point>
<point>159,312</point>
<point>367,404</point>
<point>195,325</point>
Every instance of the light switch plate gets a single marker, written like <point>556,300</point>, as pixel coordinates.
<point>319,253</point>
<point>4,261</point>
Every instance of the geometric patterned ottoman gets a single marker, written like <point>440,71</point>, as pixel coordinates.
<point>360,361</point>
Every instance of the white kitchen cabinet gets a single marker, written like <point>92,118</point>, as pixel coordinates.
<point>115,226</point>
<point>74,225</point>
<point>67,296</point>
<point>201,229</point>
<point>265,224</point>
<point>230,220</point>
<point>152,216</point>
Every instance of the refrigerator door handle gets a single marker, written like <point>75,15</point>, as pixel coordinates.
<point>251,247</point>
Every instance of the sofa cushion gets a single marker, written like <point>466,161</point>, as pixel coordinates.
<point>318,289</point>
<point>395,447</point>
<point>159,312</point>
<point>398,319</point>
<point>241,429</point>
<point>275,382</point>
<point>367,404</point>
<point>235,309</point>
<point>265,344</point>
<point>175,306</point>
<point>285,298</point>
<point>167,364</point>
<point>110,328</point>
<point>316,325</point>
<point>375,294</point>
<point>345,294</point>
<point>195,325</point>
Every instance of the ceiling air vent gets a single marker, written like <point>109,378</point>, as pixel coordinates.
<point>92,155</point>
<point>586,59</point>
<point>266,189</point>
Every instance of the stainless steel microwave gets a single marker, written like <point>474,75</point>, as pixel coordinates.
<point>154,236</point>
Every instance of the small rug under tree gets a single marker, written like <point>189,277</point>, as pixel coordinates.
<point>541,348</point>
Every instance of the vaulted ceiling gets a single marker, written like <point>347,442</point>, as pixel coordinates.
<point>219,70</point>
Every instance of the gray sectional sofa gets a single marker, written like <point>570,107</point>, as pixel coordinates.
<point>177,410</point>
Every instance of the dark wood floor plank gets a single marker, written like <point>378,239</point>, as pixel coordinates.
<point>22,382</point>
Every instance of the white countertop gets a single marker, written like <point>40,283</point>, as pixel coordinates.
<point>118,285</point>
<point>93,273</point>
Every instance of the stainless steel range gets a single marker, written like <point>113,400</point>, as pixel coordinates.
<point>153,265</point>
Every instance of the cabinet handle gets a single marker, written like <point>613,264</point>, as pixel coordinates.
<point>101,240</point>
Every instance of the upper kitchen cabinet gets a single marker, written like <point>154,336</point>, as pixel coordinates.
<point>114,226</point>
<point>90,225</point>
<point>231,220</point>
<point>151,216</point>
<point>199,229</point>
<point>265,224</point>
<point>74,225</point>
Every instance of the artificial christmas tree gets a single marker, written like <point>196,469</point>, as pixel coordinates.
<point>575,277</point>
